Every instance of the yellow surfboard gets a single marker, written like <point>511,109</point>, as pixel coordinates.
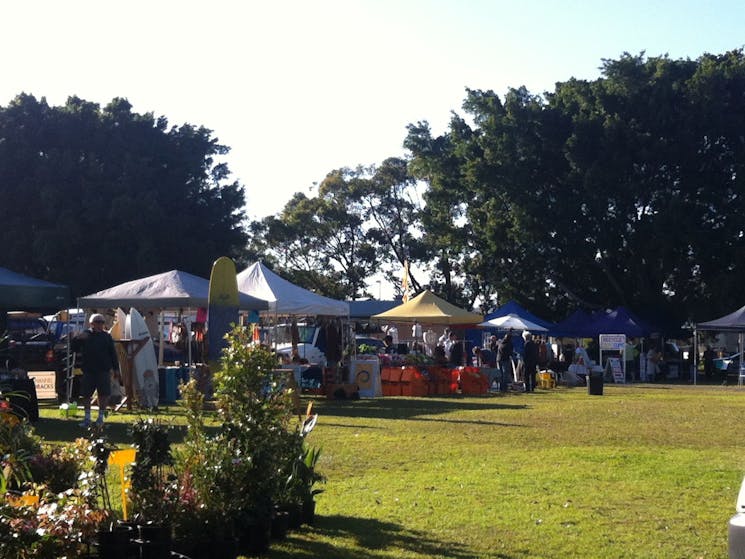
<point>223,305</point>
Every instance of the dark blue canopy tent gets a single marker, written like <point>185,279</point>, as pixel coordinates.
<point>620,321</point>
<point>576,325</point>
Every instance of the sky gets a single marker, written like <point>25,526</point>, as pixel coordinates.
<point>297,89</point>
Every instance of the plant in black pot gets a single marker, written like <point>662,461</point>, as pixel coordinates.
<point>257,413</point>
<point>151,476</point>
<point>305,481</point>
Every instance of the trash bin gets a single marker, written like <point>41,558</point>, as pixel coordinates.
<point>595,383</point>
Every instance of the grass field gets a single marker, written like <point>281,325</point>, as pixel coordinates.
<point>643,471</point>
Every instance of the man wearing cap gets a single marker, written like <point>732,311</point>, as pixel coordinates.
<point>99,364</point>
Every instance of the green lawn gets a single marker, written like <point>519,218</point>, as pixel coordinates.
<point>644,471</point>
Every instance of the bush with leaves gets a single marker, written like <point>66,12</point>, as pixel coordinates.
<point>256,410</point>
<point>238,474</point>
<point>151,473</point>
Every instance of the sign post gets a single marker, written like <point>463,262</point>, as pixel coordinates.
<point>614,343</point>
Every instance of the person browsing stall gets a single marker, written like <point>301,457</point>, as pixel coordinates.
<point>100,364</point>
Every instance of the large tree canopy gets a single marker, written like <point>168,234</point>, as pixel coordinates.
<point>624,190</point>
<point>92,197</point>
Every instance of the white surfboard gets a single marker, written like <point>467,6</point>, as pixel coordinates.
<point>144,364</point>
<point>118,332</point>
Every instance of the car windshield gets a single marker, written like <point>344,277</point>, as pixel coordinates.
<point>23,328</point>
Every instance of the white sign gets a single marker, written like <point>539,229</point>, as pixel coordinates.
<point>614,364</point>
<point>612,342</point>
<point>44,381</point>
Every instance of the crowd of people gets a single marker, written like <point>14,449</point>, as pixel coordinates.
<point>501,354</point>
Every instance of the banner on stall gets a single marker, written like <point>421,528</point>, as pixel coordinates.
<point>366,375</point>
<point>612,342</point>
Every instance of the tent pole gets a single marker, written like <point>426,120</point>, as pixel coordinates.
<point>695,356</point>
<point>187,323</point>
<point>160,338</point>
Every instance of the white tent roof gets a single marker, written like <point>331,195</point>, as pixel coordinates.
<point>513,321</point>
<point>172,289</point>
<point>285,297</point>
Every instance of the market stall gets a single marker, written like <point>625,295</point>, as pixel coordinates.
<point>416,374</point>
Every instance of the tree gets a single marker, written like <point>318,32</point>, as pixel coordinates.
<point>94,197</point>
<point>319,243</point>
<point>387,197</point>
<point>363,221</point>
<point>623,190</point>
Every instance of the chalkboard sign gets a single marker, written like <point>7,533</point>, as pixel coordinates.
<point>614,366</point>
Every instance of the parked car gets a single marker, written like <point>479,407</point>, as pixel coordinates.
<point>311,342</point>
<point>30,345</point>
<point>729,363</point>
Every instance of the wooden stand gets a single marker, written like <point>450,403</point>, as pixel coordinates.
<point>126,350</point>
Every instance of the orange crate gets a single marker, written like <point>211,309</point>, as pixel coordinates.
<point>416,388</point>
<point>413,382</point>
<point>473,381</point>
<point>392,382</point>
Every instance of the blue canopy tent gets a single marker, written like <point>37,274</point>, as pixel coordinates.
<point>511,307</point>
<point>581,324</point>
<point>620,321</point>
<point>576,325</point>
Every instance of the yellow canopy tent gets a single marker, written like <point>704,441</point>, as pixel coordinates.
<point>428,308</point>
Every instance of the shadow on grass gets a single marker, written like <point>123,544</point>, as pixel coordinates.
<point>53,427</point>
<point>411,408</point>
<point>373,539</point>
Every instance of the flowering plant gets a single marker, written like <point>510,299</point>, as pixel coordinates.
<point>63,525</point>
<point>17,446</point>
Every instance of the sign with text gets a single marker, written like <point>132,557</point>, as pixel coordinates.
<point>612,342</point>
<point>614,364</point>
<point>44,381</point>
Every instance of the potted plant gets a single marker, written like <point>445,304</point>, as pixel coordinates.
<point>305,479</point>
<point>150,477</point>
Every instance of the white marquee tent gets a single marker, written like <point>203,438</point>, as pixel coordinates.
<point>284,297</point>
<point>174,289</point>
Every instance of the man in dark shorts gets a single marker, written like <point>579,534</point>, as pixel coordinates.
<point>99,364</point>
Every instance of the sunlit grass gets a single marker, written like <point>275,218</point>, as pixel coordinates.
<point>644,471</point>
